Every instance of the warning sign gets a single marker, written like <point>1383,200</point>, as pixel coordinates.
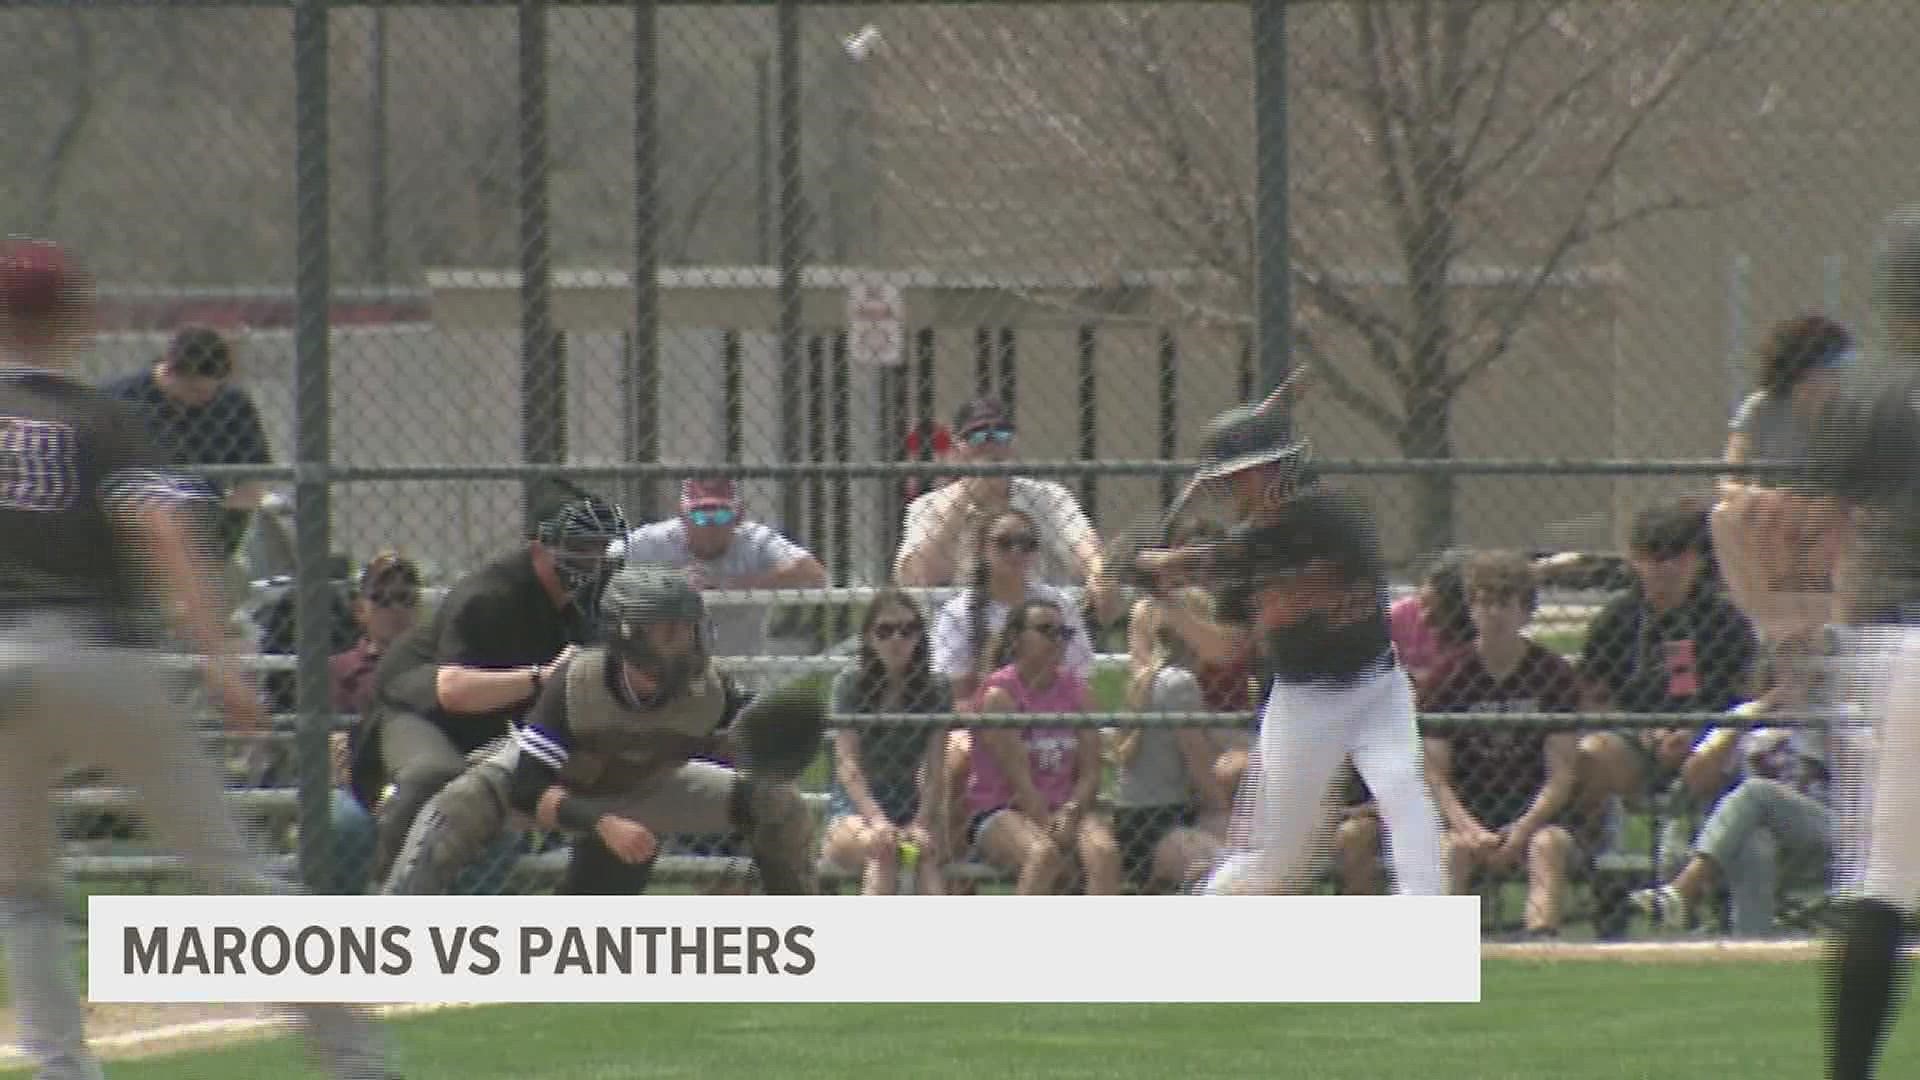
<point>876,330</point>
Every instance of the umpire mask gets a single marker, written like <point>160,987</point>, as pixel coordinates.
<point>581,537</point>
<point>644,595</point>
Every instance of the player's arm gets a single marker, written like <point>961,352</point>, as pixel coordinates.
<point>534,788</point>
<point>162,540</point>
<point>463,689</point>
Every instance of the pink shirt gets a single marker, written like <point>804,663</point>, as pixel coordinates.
<point>1052,753</point>
<point>1417,644</point>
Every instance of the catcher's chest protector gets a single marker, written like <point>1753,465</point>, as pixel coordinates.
<point>617,749</point>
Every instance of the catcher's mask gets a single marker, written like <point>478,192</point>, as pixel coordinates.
<point>644,595</point>
<point>579,536</point>
<point>1245,438</point>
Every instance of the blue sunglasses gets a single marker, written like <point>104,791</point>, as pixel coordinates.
<point>720,515</point>
<point>982,436</point>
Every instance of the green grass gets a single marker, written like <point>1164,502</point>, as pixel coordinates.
<point>1582,1020</point>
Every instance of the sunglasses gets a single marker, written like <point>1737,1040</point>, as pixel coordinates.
<point>1017,542</point>
<point>885,631</point>
<point>718,515</point>
<point>1054,630</point>
<point>393,598</point>
<point>983,436</point>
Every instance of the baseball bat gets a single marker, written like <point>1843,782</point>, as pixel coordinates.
<point>1284,394</point>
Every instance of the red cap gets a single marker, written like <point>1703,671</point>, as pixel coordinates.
<point>719,491</point>
<point>38,281</point>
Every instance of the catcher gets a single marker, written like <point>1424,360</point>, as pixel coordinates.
<point>1304,568</point>
<point>606,752</point>
<point>1839,542</point>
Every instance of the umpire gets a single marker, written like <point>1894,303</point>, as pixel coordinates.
<point>459,680</point>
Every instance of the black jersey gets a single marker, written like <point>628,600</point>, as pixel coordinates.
<point>1329,526</point>
<point>499,616</point>
<point>1865,449</point>
<point>70,459</point>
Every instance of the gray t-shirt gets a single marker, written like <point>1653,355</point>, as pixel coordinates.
<point>890,754</point>
<point>1774,431</point>
<point>738,629</point>
<point>1156,775</point>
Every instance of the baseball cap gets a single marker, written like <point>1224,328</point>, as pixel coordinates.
<point>981,412</point>
<point>707,492</point>
<point>39,281</point>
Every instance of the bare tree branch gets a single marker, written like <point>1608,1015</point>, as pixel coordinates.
<point>1343,389</point>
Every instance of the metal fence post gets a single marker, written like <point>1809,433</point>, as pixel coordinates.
<point>1273,259</point>
<point>312,438</point>
<point>643,376</point>
<point>792,250</point>
<point>543,401</point>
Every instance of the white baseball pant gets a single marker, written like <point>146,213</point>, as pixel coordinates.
<point>68,699</point>
<point>1877,768</point>
<point>1306,733</point>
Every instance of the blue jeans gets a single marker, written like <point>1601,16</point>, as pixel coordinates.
<point>353,844</point>
<point>1756,827</point>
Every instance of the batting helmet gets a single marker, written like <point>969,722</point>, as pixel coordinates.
<point>644,595</point>
<point>1244,437</point>
<point>581,536</point>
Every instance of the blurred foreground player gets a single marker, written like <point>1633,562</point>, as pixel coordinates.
<point>1841,541</point>
<point>606,754</point>
<point>1304,568</point>
<point>93,541</point>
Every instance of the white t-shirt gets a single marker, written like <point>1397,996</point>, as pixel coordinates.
<point>1056,515</point>
<point>952,645</point>
<point>738,629</point>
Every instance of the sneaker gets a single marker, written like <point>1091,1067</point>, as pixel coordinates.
<point>1664,905</point>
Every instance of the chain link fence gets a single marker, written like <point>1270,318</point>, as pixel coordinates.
<point>1546,265</point>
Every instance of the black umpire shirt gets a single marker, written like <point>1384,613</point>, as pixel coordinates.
<point>69,458</point>
<point>499,616</point>
<point>1318,525</point>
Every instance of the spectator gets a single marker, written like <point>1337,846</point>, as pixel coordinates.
<point>1798,363</point>
<point>1030,791</point>
<point>1777,813</point>
<point>386,604</point>
<point>936,547</point>
<point>964,626</point>
<point>719,547</point>
<point>1171,804</point>
<point>878,797</point>
<point>1431,624</point>
<point>1506,792</point>
<point>198,416</point>
<point>1671,643</point>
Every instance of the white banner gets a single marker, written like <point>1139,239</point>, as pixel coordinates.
<point>543,949</point>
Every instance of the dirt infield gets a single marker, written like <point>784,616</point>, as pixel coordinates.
<point>129,1031</point>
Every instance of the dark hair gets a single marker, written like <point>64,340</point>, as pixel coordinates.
<point>1017,624</point>
<point>918,692</point>
<point>1668,529</point>
<point>1447,616</point>
<point>1505,572</point>
<point>200,351</point>
<point>1797,346</point>
<point>978,599</point>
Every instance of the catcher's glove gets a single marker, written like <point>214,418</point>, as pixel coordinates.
<point>777,735</point>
